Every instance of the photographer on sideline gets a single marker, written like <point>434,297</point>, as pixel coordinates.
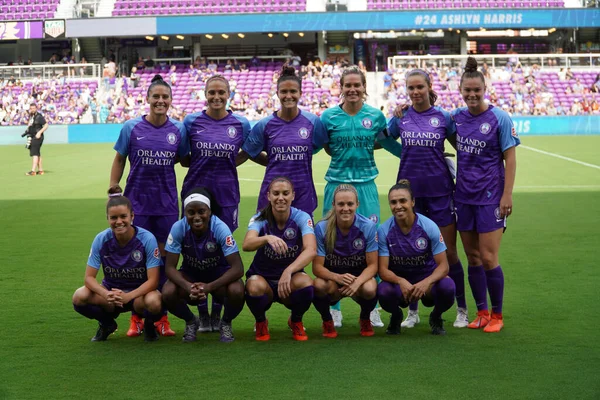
<point>35,131</point>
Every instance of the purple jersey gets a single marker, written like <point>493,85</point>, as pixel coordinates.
<point>214,144</point>
<point>411,255</point>
<point>423,162</point>
<point>481,141</point>
<point>152,151</point>
<point>269,264</point>
<point>350,251</point>
<point>289,146</point>
<point>202,254</point>
<point>124,267</point>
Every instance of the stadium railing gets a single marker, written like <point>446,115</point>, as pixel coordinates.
<point>49,71</point>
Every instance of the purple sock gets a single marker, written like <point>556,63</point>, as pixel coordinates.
<point>478,284</point>
<point>443,296</point>
<point>389,297</point>
<point>258,306</point>
<point>322,306</point>
<point>301,301</point>
<point>203,306</point>
<point>181,310</point>
<point>93,312</point>
<point>414,306</point>
<point>217,307</point>
<point>233,308</point>
<point>458,276</point>
<point>495,283</point>
<point>366,306</point>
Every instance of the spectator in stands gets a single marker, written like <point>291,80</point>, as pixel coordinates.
<point>577,87</point>
<point>255,61</point>
<point>569,74</point>
<point>173,75</point>
<point>140,65</point>
<point>212,66</point>
<point>595,86</point>
<point>134,78</point>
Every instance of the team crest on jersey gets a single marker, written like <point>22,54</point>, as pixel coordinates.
<point>485,128</point>
<point>156,253</point>
<point>367,123</point>
<point>513,133</point>
<point>497,212</point>
<point>210,246</point>
<point>303,133</point>
<point>232,132</point>
<point>421,243</point>
<point>172,138</point>
<point>290,233</point>
<point>136,255</point>
<point>229,241</point>
<point>441,238</point>
<point>435,122</point>
<point>170,239</point>
<point>358,244</point>
<point>374,218</point>
<point>310,223</point>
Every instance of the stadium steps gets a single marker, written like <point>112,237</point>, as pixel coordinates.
<point>90,49</point>
<point>375,89</point>
<point>105,8</point>
<point>66,9</point>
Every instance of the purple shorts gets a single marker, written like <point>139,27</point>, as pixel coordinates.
<point>203,276</point>
<point>439,209</point>
<point>229,215</point>
<point>273,284</point>
<point>479,218</point>
<point>159,225</point>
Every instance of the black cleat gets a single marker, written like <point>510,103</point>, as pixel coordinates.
<point>150,332</point>
<point>394,325</point>
<point>104,331</point>
<point>437,325</point>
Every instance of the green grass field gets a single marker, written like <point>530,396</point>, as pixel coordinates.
<point>549,349</point>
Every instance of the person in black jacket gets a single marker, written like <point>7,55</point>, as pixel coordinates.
<point>35,130</point>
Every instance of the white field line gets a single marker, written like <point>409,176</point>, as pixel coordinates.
<point>561,157</point>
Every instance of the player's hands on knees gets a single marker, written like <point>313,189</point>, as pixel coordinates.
<point>345,279</point>
<point>350,290</point>
<point>284,288</point>
<point>506,204</point>
<point>400,110</point>
<point>277,244</point>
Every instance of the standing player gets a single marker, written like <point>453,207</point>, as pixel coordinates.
<point>153,143</point>
<point>215,138</point>
<point>289,137</point>
<point>412,262</point>
<point>346,261</point>
<point>284,240</point>
<point>211,265</point>
<point>353,128</point>
<point>129,258</point>
<point>36,127</point>
<point>486,142</point>
<point>423,130</point>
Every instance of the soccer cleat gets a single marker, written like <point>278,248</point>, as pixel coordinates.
<point>298,332</point>
<point>412,319</point>
<point>329,329</point>
<point>436,325</point>
<point>189,334</point>
<point>462,318</point>
<point>262,331</point>
<point>104,331</point>
<point>226,332</point>
<point>204,326</point>
<point>136,326</point>
<point>483,318</point>
<point>30,173</point>
<point>394,325</point>
<point>40,172</point>
<point>366,329</point>
<point>495,325</point>
<point>150,335</point>
<point>163,326</point>
<point>337,317</point>
<point>215,323</point>
<point>375,318</point>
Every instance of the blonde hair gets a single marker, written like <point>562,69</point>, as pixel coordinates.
<point>331,230</point>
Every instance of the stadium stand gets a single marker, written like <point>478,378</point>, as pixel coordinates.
<point>459,4</point>
<point>20,10</point>
<point>196,7</point>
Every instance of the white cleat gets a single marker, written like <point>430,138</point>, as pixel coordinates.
<point>462,318</point>
<point>337,317</point>
<point>376,319</point>
<point>411,320</point>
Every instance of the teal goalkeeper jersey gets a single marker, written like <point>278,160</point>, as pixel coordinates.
<point>351,142</point>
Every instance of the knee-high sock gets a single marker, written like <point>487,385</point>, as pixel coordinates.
<point>232,309</point>
<point>366,306</point>
<point>258,305</point>
<point>458,276</point>
<point>181,310</point>
<point>443,296</point>
<point>322,306</point>
<point>92,311</point>
<point>336,306</point>
<point>301,301</point>
<point>389,296</point>
<point>414,306</point>
<point>217,307</point>
<point>495,284</point>
<point>203,306</point>
<point>478,283</point>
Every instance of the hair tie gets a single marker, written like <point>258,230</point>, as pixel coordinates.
<point>115,195</point>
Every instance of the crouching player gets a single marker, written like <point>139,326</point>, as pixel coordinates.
<point>412,262</point>
<point>211,265</point>
<point>284,240</point>
<point>129,258</point>
<point>346,260</point>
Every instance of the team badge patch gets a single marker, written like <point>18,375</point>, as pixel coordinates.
<point>513,133</point>
<point>376,238</point>
<point>251,221</point>
<point>358,244</point>
<point>136,255</point>
<point>367,123</point>
<point>374,218</point>
<point>303,133</point>
<point>231,132</point>
<point>435,122</point>
<point>497,212</point>
<point>210,246</point>
<point>441,238</point>
<point>310,223</point>
<point>229,241</point>
<point>170,239</point>
<point>421,243</point>
<point>485,128</point>
<point>156,253</point>
<point>172,138</point>
<point>290,233</point>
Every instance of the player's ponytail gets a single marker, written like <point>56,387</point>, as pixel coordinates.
<point>471,71</point>
<point>158,81</point>
<point>267,212</point>
<point>331,218</point>
<point>402,184</point>
<point>288,73</point>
